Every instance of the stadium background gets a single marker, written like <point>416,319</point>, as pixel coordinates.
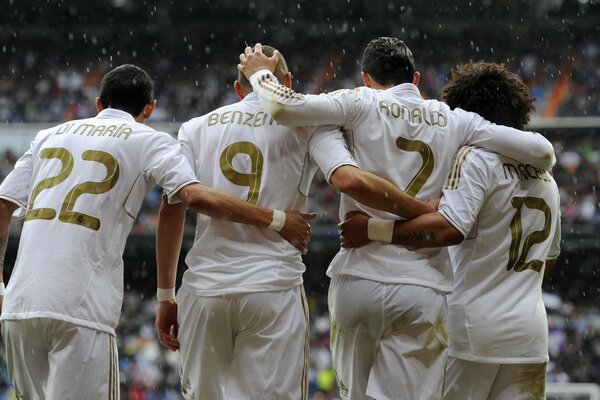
<point>53,53</point>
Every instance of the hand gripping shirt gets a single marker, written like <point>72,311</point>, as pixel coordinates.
<point>241,150</point>
<point>82,184</point>
<point>407,140</point>
<point>509,213</point>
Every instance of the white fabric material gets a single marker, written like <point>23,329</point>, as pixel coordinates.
<point>100,169</point>
<point>497,314</point>
<point>469,380</point>
<point>241,150</point>
<point>278,221</point>
<point>244,346</point>
<point>410,141</point>
<point>381,230</point>
<point>67,362</point>
<point>388,342</point>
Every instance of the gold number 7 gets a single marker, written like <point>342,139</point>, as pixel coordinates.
<point>426,169</point>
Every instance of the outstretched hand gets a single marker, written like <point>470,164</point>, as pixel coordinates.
<point>166,324</point>
<point>296,230</point>
<point>354,230</point>
<point>253,60</point>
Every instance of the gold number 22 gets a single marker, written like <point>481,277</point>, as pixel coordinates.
<point>67,214</point>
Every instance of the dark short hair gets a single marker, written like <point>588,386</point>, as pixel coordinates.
<point>281,69</point>
<point>389,61</point>
<point>492,91</point>
<point>128,88</point>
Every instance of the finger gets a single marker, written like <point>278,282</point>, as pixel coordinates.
<point>258,48</point>
<point>239,67</point>
<point>243,58</point>
<point>248,50</point>
<point>308,216</point>
<point>276,55</point>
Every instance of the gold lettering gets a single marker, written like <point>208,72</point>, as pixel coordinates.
<point>416,114</point>
<point>64,128</point>
<point>257,123</point>
<point>384,108</point>
<point>83,128</point>
<point>425,117</point>
<point>213,119</point>
<point>127,131</point>
<point>109,130</point>
<point>237,114</point>
<point>225,117</point>
<point>437,118</point>
<point>98,131</point>
<point>249,117</point>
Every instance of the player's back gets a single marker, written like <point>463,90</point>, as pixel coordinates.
<point>409,141</point>
<point>86,181</point>
<point>496,310</point>
<point>241,150</point>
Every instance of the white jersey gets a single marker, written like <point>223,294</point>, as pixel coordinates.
<point>241,150</point>
<point>509,213</point>
<point>82,184</point>
<point>409,141</point>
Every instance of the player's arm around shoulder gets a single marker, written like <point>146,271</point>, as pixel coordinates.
<point>7,208</point>
<point>292,225</point>
<point>524,146</point>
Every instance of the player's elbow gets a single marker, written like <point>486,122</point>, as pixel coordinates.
<point>347,180</point>
<point>452,236</point>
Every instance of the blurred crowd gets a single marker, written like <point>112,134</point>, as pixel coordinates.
<point>37,89</point>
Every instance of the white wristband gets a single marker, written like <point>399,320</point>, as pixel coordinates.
<point>278,220</point>
<point>165,294</point>
<point>381,230</point>
<point>2,289</point>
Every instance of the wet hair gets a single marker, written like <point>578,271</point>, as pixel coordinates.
<point>389,61</point>
<point>492,91</point>
<point>281,69</point>
<point>128,88</point>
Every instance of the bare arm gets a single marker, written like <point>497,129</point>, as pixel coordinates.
<point>428,230</point>
<point>376,192</point>
<point>6,210</point>
<point>283,104</point>
<point>218,204</point>
<point>169,234</point>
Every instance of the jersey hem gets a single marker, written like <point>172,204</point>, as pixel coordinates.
<point>405,281</point>
<point>498,360</point>
<point>60,317</point>
<point>237,289</point>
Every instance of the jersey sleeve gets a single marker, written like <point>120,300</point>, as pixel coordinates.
<point>187,146</point>
<point>329,150</point>
<point>464,191</point>
<point>555,245</point>
<point>293,109</point>
<point>15,187</point>
<point>526,147</point>
<point>167,166</point>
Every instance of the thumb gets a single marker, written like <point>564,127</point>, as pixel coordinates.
<point>308,216</point>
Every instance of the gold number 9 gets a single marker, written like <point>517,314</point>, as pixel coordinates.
<point>252,179</point>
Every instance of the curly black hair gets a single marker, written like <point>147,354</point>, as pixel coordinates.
<point>492,91</point>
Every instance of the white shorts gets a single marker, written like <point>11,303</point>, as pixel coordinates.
<point>250,346</point>
<point>388,341</point>
<point>469,380</point>
<point>53,359</point>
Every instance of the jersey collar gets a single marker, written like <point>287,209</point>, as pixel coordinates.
<point>406,89</point>
<point>113,113</point>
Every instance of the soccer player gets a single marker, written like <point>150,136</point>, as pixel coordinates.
<point>388,303</point>
<point>81,185</point>
<point>241,308</point>
<point>506,216</point>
